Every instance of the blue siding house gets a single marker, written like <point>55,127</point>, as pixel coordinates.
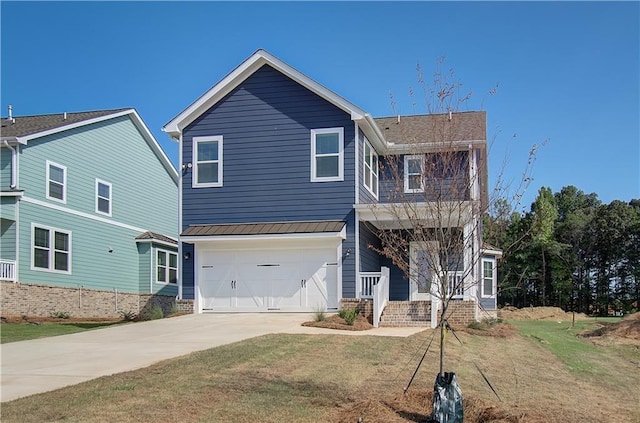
<point>88,201</point>
<point>281,194</point>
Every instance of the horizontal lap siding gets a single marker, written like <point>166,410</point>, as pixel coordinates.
<point>266,126</point>
<point>5,168</point>
<point>369,259</point>
<point>113,151</point>
<point>7,239</point>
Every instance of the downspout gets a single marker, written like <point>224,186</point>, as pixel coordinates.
<point>180,253</point>
<point>14,165</point>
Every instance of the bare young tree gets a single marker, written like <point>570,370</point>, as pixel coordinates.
<point>434,188</point>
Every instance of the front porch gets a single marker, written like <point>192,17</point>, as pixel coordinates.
<point>373,291</point>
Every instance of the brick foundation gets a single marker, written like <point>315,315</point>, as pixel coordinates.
<point>461,313</point>
<point>19,299</point>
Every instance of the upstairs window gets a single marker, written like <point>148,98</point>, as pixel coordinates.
<point>327,155</point>
<point>51,249</point>
<point>413,174</point>
<point>207,160</point>
<point>103,197</point>
<point>56,182</point>
<point>370,169</point>
<point>167,267</point>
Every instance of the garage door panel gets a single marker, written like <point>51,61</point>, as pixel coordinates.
<point>271,280</point>
<point>217,286</point>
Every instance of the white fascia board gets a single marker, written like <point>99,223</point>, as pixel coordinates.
<point>371,130</point>
<point>241,73</point>
<point>12,140</point>
<point>322,235</point>
<point>435,146</point>
<point>486,252</point>
<point>157,241</point>
<point>155,146</point>
<point>11,193</point>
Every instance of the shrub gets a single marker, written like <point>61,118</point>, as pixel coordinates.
<point>349,315</point>
<point>484,324</point>
<point>156,312</point>
<point>60,315</point>
<point>128,316</point>
<point>319,315</point>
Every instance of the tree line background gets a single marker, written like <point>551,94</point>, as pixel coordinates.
<point>569,250</point>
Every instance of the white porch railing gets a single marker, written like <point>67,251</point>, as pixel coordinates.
<point>380,295</point>
<point>367,281</point>
<point>8,270</point>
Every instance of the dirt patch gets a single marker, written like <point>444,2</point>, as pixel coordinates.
<point>416,406</point>
<point>337,322</point>
<point>538,313</point>
<point>499,330</point>
<point>626,331</point>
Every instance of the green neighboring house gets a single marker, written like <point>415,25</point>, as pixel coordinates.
<point>88,201</point>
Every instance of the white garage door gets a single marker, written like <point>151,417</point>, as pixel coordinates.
<point>285,279</point>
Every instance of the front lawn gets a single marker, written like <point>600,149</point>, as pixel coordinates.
<point>13,332</point>
<point>339,378</point>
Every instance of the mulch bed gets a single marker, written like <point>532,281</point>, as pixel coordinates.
<point>337,322</point>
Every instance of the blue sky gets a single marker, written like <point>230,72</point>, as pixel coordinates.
<point>567,72</point>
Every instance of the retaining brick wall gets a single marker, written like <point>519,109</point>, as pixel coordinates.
<point>364,305</point>
<point>19,299</point>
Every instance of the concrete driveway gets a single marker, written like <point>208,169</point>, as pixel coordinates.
<point>41,365</point>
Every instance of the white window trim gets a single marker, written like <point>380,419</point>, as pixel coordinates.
<point>340,176</point>
<point>373,172</point>
<point>155,267</point>
<point>52,230</point>
<point>98,182</point>
<point>194,175</point>
<point>64,182</point>
<point>406,174</point>
<point>493,277</point>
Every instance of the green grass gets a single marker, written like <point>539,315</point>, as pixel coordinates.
<point>14,332</point>
<point>577,353</point>
<point>317,378</point>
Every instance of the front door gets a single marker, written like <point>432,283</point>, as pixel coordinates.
<point>423,268</point>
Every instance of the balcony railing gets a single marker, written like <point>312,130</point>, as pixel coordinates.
<point>8,270</point>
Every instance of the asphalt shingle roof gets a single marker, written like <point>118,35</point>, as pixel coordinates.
<point>154,235</point>
<point>275,228</point>
<point>463,126</point>
<point>22,126</point>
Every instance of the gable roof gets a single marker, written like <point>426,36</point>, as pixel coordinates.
<point>21,129</point>
<point>258,59</point>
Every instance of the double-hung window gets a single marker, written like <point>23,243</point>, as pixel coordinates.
<point>103,197</point>
<point>370,169</point>
<point>488,278</point>
<point>327,154</point>
<point>166,267</point>
<point>50,249</point>
<point>56,182</point>
<point>207,161</point>
<point>413,174</point>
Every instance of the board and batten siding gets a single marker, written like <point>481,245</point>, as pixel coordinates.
<point>143,192</point>
<point>266,125</point>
